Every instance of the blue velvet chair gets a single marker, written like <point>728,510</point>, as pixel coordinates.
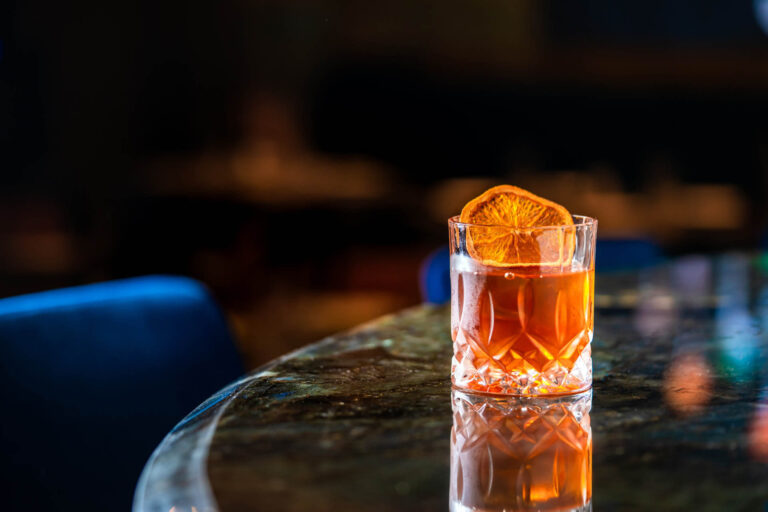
<point>613,254</point>
<point>93,377</point>
<point>435,277</point>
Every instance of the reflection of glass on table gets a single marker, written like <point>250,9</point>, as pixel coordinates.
<point>510,454</point>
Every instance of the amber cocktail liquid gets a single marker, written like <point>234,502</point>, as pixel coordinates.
<point>524,329</point>
<point>521,454</point>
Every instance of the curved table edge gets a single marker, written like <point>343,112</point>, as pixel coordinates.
<point>171,480</point>
<point>175,474</point>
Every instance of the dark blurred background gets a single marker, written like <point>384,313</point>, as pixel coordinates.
<point>301,157</point>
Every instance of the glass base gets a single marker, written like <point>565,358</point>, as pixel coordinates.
<point>556,380</point>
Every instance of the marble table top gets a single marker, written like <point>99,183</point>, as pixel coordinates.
<point>362,420</point>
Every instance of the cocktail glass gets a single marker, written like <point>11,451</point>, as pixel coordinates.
<point>523,329</point>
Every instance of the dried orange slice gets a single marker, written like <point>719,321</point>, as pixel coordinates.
<point>510,226</point>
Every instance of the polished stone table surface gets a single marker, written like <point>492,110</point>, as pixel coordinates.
<point>362,420</point>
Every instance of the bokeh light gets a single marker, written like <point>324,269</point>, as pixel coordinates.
<point>688,383</point>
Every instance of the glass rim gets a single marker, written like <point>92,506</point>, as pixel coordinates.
<point>590,222</point>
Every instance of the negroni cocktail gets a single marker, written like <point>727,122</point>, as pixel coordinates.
<point>522,295</point>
